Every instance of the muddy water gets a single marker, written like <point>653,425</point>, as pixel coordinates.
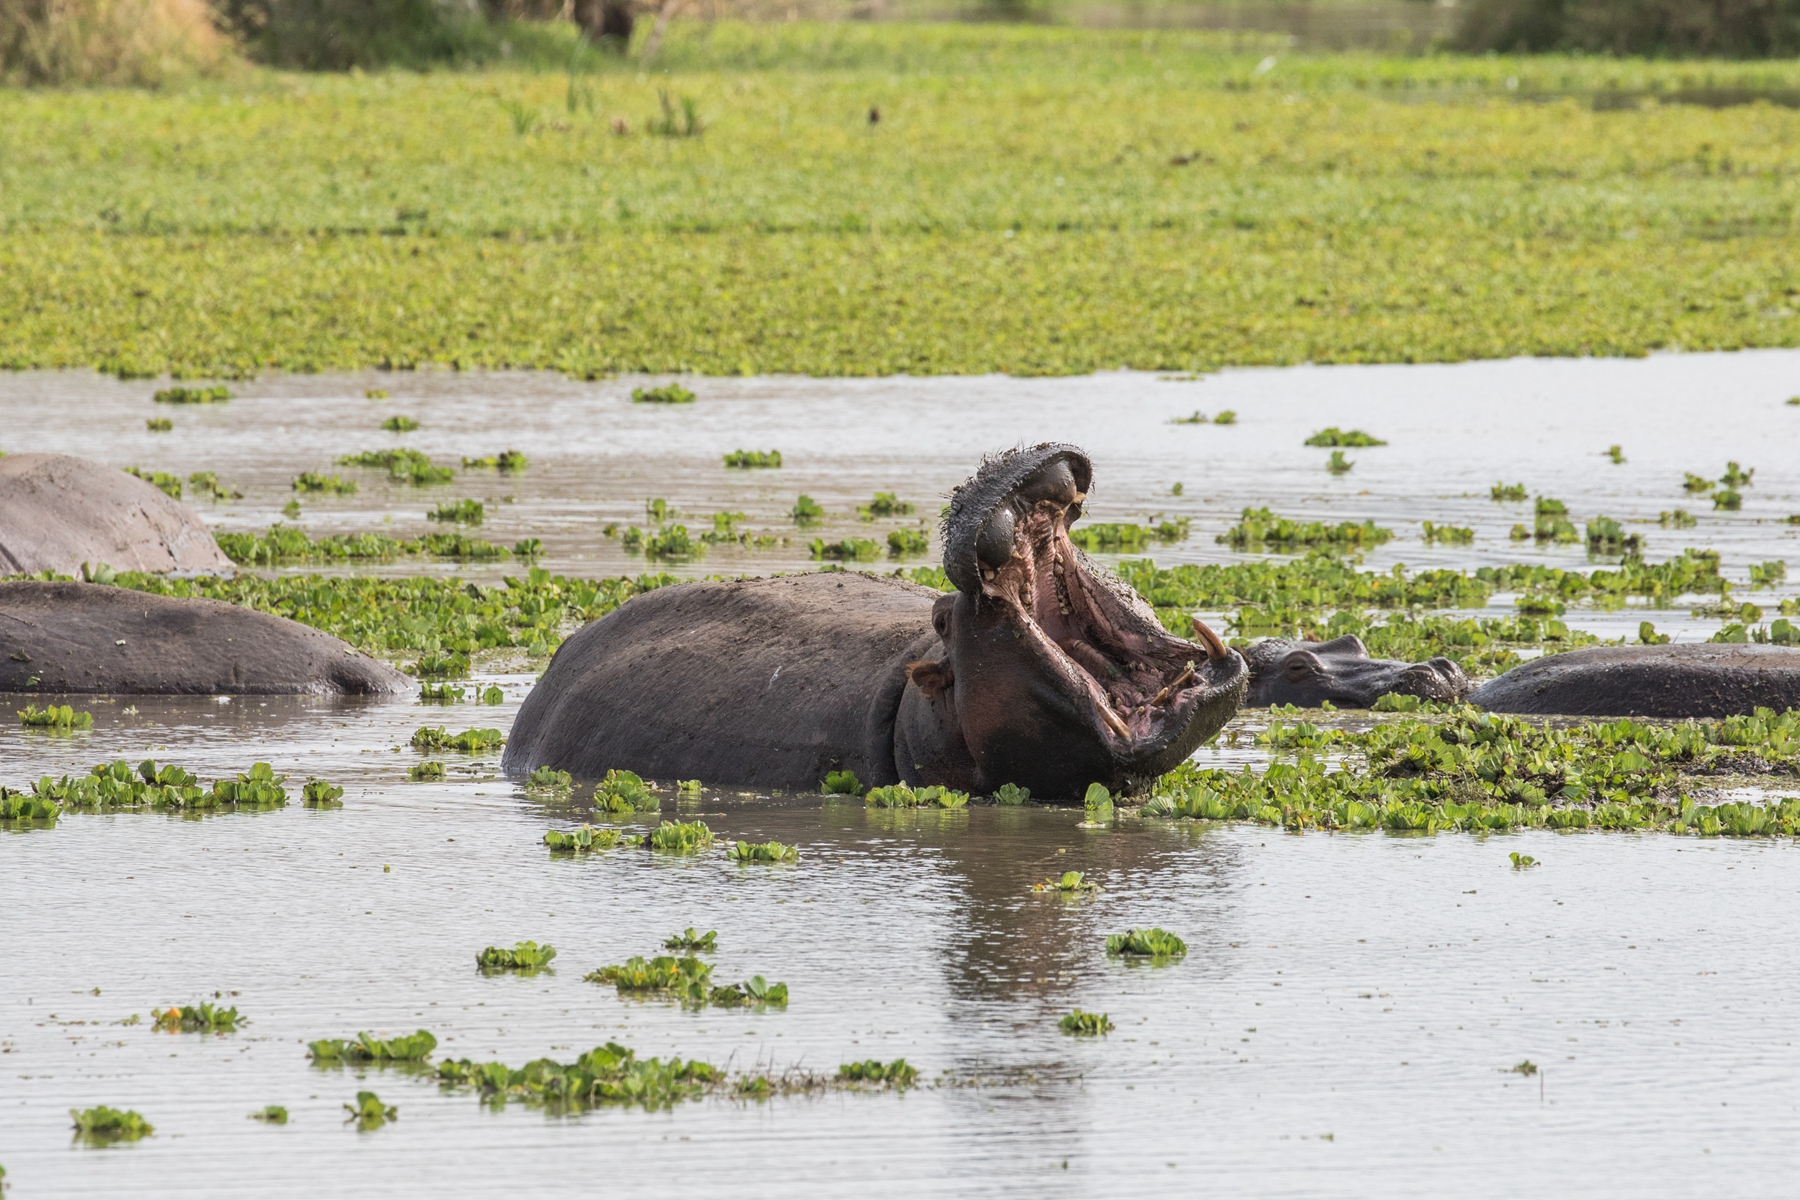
<point>1344,1023</point>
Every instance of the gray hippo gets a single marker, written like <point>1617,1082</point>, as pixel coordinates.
<point>86,637</point>
<point>57,512</point>
<point>1705,679</point>
<point>1041,669</point>
<point>1341,671</point>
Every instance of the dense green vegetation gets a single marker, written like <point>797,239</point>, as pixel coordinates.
<point>1033,200</point>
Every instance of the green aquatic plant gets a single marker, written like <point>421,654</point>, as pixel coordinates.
<point>1097,803</point>
<point>375,394</point>
<point>1126,538</point>
<point>1507,491</point>
<point>1333,436</point>
<point>159,424</point>
<point>1069,883</point>
<point>902,542</point>
<point>896,1074</point>
<point>187,395</point>
<point>207,484</point>
<point>1085,1024</point>
<point>271,1114</point>
<point>317,793</point>
<point>754,990</point>
<point>586,838</point>
<point>399,424</point>
<point>1011,794</point>
<point>672,542</point>
<point>1153,943</point>
<point>668,393</point>
<point>439,665</point>
<point>1647,635</point>
<point>885,504</point>
<point>1736,477</point>
<point>609,1074</point>
<point>1607,536</point>
<point>1781,632</point>
<point>462,512</point>
<point>1695,484</point>
<point>1767,574</point>
<point>101,1124</point>
<point>753,458</point>
<point>1194,418</point>
<point>1524,1068</point>
<point>681,837</point>
<point>549,779</point>
<point>1552,523</point>
<point>469,741</point>
<point>440,693</point>
<point>1616,454</point>
<point>115,786</point>
<point>312,481</point>
<point>259,787</point>
<point>806,510</point>
<point>1728,500</point>
<point>841,783</point>
<point>429,770</point>
<point>370,1113</point>
<point>492,695</point>
<point>1450,535</point>
<point>900,795</point>
<point>1259,528</point>
<point>55,716</point>
<point>693,941</point>
<point>1677,519</point>
<point>624,792</point>
<point>291,510</point>
<point>1397,702</point>
<point>199,1018</point>
<point>528,548</point>
<point>1338,464</point>
<point>845,550</point>
<point>402,466</point>
<point>686,978</point>
<point>1225,416</point>
<point>169,485</point>
<point>415,1047</point>
<point>20,808</point>
<point>765,852</point>
<point>527,958</point>
<point>1521,861</point>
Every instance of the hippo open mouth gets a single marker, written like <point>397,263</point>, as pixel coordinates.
<point>1074,639</point>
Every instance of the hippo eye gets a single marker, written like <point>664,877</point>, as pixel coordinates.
<point>1301,664</point>
<point>994,544</point>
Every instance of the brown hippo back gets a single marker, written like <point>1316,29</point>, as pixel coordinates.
<point>1704,679</point>
<point>57,512</point>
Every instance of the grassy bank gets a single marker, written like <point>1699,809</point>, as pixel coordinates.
<point>1031,200</point>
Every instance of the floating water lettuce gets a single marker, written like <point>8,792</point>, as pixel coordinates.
<point>1085,1024</point>
<point>399,424</point>
<point>588,837</point>
<point>56,716</point>
<point>271,1114</point>
<point>116,785</point>
<point>415,1047</point>
<point>1451,535</point>
<point>549,779</point>
<point>753,458</point>
<point>766,852</point>
<point>23,809</point>
<point>199,1018</point>
<point>1069,882</point>
<point>402,465</point>
<point>101,1124</point>
<point>1607,536</point>
<point>754,990</point>
<point>469,741</point>
<point>1225,416</point>
<point>907,541</point>
<point>806,510</point>
<point>1011,794</point>
<point>1260,528</point>
<point>527,958</point>
<point>900,795</point>
<point>609,1074</point>
<point>375,394</point>
<point>685,978</point>
<point>692,941</point>
<point>1647,635</point>
<point>1521,861</point>
<point>624,792</point>
<point>896,1074</point>
<point>317,793</point>
<point>1507,491</point>
<point>1194,418</point>
<point>169,485</point>
<point>426,771</point>
<point>462,512</point>
<point>207,484</point>
<point>440,693</point>
<point>1678,519</point>
<point>159,424</point>
<point>1728,499</point>
<point>845,550</point>
<point>842,783</point>
<point>1616,454</point>
<point>528,548</point>
<point>1333,436</point>
<point>312,481</point>
<point>1735,476</point>
<point>885,504</point>
<point>668,393</point>
<point>506,461</point>
<point>1338,464</point>
<point>369,1112</point>
<point>1115,537</point>
<point>1696,484</point>
<point>680,837</point>
<point>187,395</point>
<point>1146,943</point>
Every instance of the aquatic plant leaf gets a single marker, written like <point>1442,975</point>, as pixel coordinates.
<point>1010,794</point>
<point>1153,943</point>
<point>525,957</point>
<point>668,393</point>
<point>103,1124</point>
<point>767,459</point>
<point>842,783</point>
<point>271,1114</point>
<point>692,941</point>
<point>1085,1024</point>
<point>766,852</point>
<point>896,1074</point>
<point>1333,436</point>
<point>589,837</point>
<point>681,837</point>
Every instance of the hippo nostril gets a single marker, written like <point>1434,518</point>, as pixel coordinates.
<point>994,544</point>
<point>1055,482</point>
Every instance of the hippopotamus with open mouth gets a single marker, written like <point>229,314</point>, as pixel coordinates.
<point>1042,669</point>
<point>1283,671</point>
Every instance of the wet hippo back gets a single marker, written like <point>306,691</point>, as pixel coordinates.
<point>758,683</point>
<point>57,512</point>
<point>1688,680</point>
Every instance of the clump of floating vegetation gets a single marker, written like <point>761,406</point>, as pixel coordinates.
<point>1552,522</point>
<point>1396,702</point>
<point>692,941</point>
<point>402,466</point>
<point>685,978</point>
<point>899,795</point>
<point>369,1112</point>
<point>764,852</point>
<point>885,504</point>
<point>588,837</point>
<point>1521,861</point>
<point>1127,537</point>
<point>896,1074</point>
<point>469,741</point>
<point>668,393</point>
<point>1333,436</point>
<point>199,1018</point>
<point>753,458</point>
<point>625,792</point>
<point>116,786</point>
<point>754,990</point>
<point>549,779</point>
<point>1153,943</point>
<point>527,958</point>
<point>1085,1024</point>
<point>841,783</point>
<point>415,1047</point>
<point>1194,418</point>
<point>1011,794</point>
<point>506,460</point>
<point>1696,484</point>
<point>1225,416</point>
<point>440,693</point>
<point>1616,454</point>
<point>1647,635</point>
<point>907,541</point>
<point>462,512</point>
<point>1607,536</point>
<point>680,837</point>
<point>1069,883</point>
<point>187,395</point>
<point>846,550</point>
<point>159,424</point>
<point>609,1074</point>
<point>1338,464</point>
<point>1259,528</point>
<point>375,394</point>
<point>101,1124</point>
<point>316,793</point>
<point>425,771</point>
<point>271,1114</point>
<point>312,481</point>
<point>399,424</point>
<point>806,510</point>
<point>1735,476</point>
<point>1449,535</point>
<point>19,808</point>
<point>1728,499</point>
<point>1679,518</point>
<point>1507,491</point>
<point>55,716</point>
<point>169,485</point>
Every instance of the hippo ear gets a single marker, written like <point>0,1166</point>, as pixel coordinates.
<point>1348,644</point>
<point>1302,664</point>
<point>930,677</point>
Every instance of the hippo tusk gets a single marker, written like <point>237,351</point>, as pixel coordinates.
<point>1180,681</point>
<point>1215,649</point>
<point>1113,719</point>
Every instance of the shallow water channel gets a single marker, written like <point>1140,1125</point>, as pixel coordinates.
<point>1350,1007</point>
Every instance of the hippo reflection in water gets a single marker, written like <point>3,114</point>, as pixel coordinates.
<point>1041,669</point>
<point>1341,671</point>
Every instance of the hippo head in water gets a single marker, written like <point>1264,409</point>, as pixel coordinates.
<point>1341,671</point>
<point>1052,668</point>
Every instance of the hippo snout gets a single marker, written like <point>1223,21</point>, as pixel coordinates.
<point>1435,679</point>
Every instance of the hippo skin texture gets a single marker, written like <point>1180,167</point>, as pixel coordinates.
<point>1704,679</point>
<point>90,638</point>
<point>57,512</point>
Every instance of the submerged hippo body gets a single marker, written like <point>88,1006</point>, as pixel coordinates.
<point>1341,671</point>
<point>1704,679</point>
<point>58,512</point>
<point>1041,669</point>
<point>84,637</point>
